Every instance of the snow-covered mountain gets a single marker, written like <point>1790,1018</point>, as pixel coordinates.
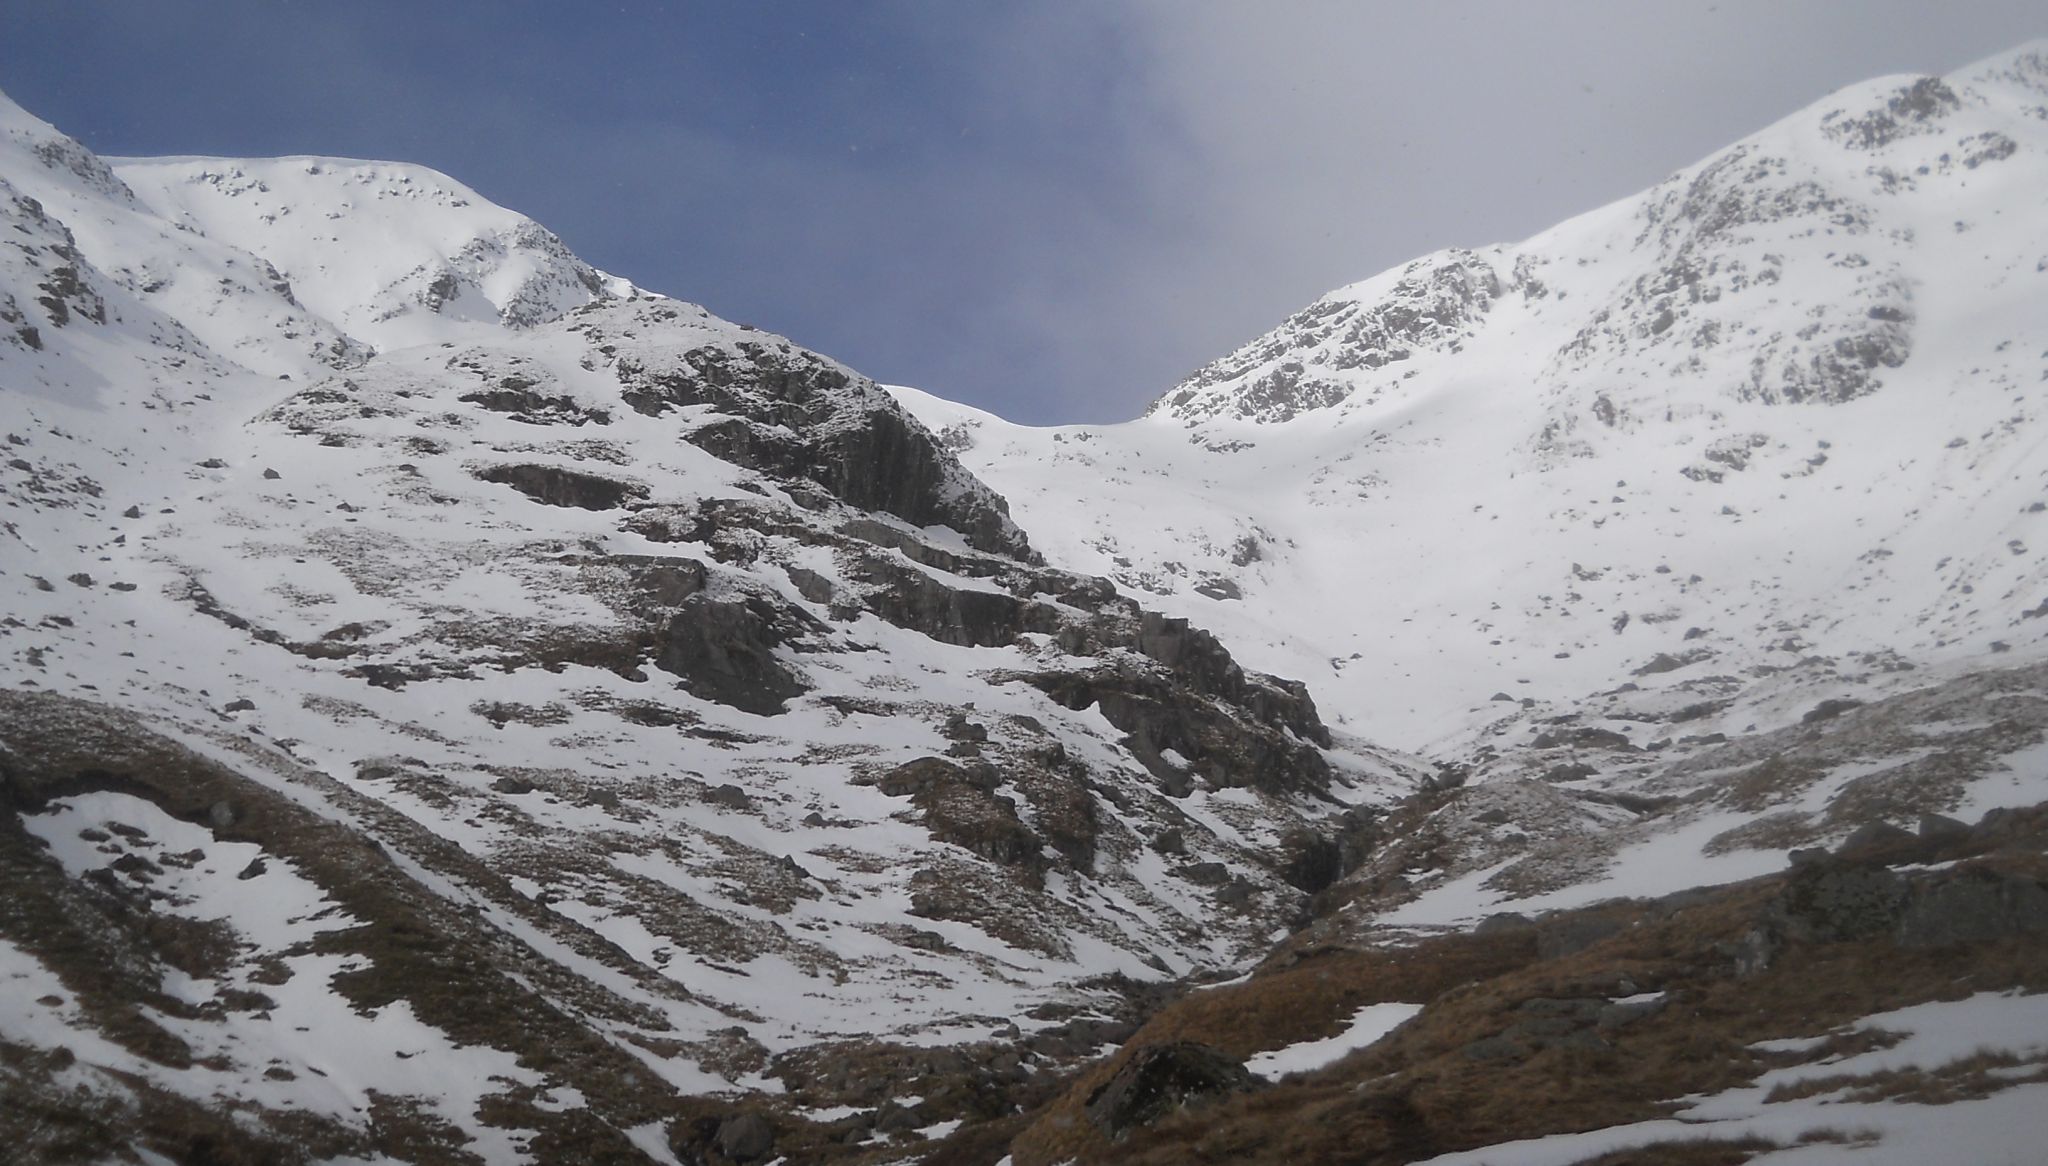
<point>1765,434</point>
<point>432,631</point>
<point>456,706</point>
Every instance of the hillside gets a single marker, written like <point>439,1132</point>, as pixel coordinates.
<point>1542,702</point>
<point>431,659</point>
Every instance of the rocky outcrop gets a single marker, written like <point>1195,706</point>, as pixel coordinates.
<point>1165,1079</point>
<point>726,650</point>
<point>561,486</point>
<point>792,413</point>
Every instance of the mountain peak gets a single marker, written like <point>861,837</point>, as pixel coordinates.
<point>391,252</point>
<point>1865,166</point>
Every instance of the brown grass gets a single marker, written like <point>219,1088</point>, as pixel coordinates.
<point>1417,1093</point>
<point>1971,1078</point>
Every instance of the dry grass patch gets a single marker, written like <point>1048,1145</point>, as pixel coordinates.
<point>1458,1077</point>
<point>1972,1078</point>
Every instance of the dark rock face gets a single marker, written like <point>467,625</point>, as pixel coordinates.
<point>518,399</point>
<point>960,807</point>
<point>1310,862</point>
<point>1837,902</point>
<point>1162,1080</point>
<point>725,651</point>
<point>558,486</point>
<point>1974,906</point>
<point>746,1138</point>
<point>1167,684</point>
<point>795,414</point>
<point>1158,715</point>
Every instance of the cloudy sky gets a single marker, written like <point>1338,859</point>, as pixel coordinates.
<point>1051,209</point>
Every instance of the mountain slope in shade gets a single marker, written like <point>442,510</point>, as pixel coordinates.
<point>458,707</point>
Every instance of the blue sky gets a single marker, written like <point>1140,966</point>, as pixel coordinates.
<point>1053,210</point>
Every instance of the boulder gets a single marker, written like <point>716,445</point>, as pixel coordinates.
<point>1838,902</point>
<point>1162,1080</point>
<point>1872,837</point>
<point>746,1137</point>
<point>559,486</point>
<point>724,650</point>
<point>1973,906</point>
<point>1941,828</point>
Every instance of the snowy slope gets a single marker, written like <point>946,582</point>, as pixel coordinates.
<point>393,254</point>
<point>457,706</point>
<point>1767,433</point>
<point>374,569</point>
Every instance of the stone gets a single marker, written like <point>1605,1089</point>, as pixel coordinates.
<point>1170,841</point>
<point>559,486</point>
<point>1579,1009</point>
<point>960,728</point>
<point>798,415</point>
<point>892,1118</point>
<point>746,1137</point>
<point>724,651</point>
<point>1941,828</point>
<point>1619,1015</point>
<point>1504,922</point>
<point>1538,1029</point>
<point>1973,906</point>
<point>1872,837</point>
<point>1828,710</point>
<point>731,797</point>
<point>1838,902</point>
<point>1161,1080</point>
<point>1309,861</point>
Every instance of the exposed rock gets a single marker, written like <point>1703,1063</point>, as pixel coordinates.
<point>1872,837</point>
<point>1837,902</point>
<point>730,796</point>
<point>560,486</point>
<point>1502,922</point>
<point>517,397</point>
<point>1160,1080</point>
<point>855,441</point>
<point>746,1137</point>
<point>1941,828</point>
<point>1973,906</point>
<point>725,651</point>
